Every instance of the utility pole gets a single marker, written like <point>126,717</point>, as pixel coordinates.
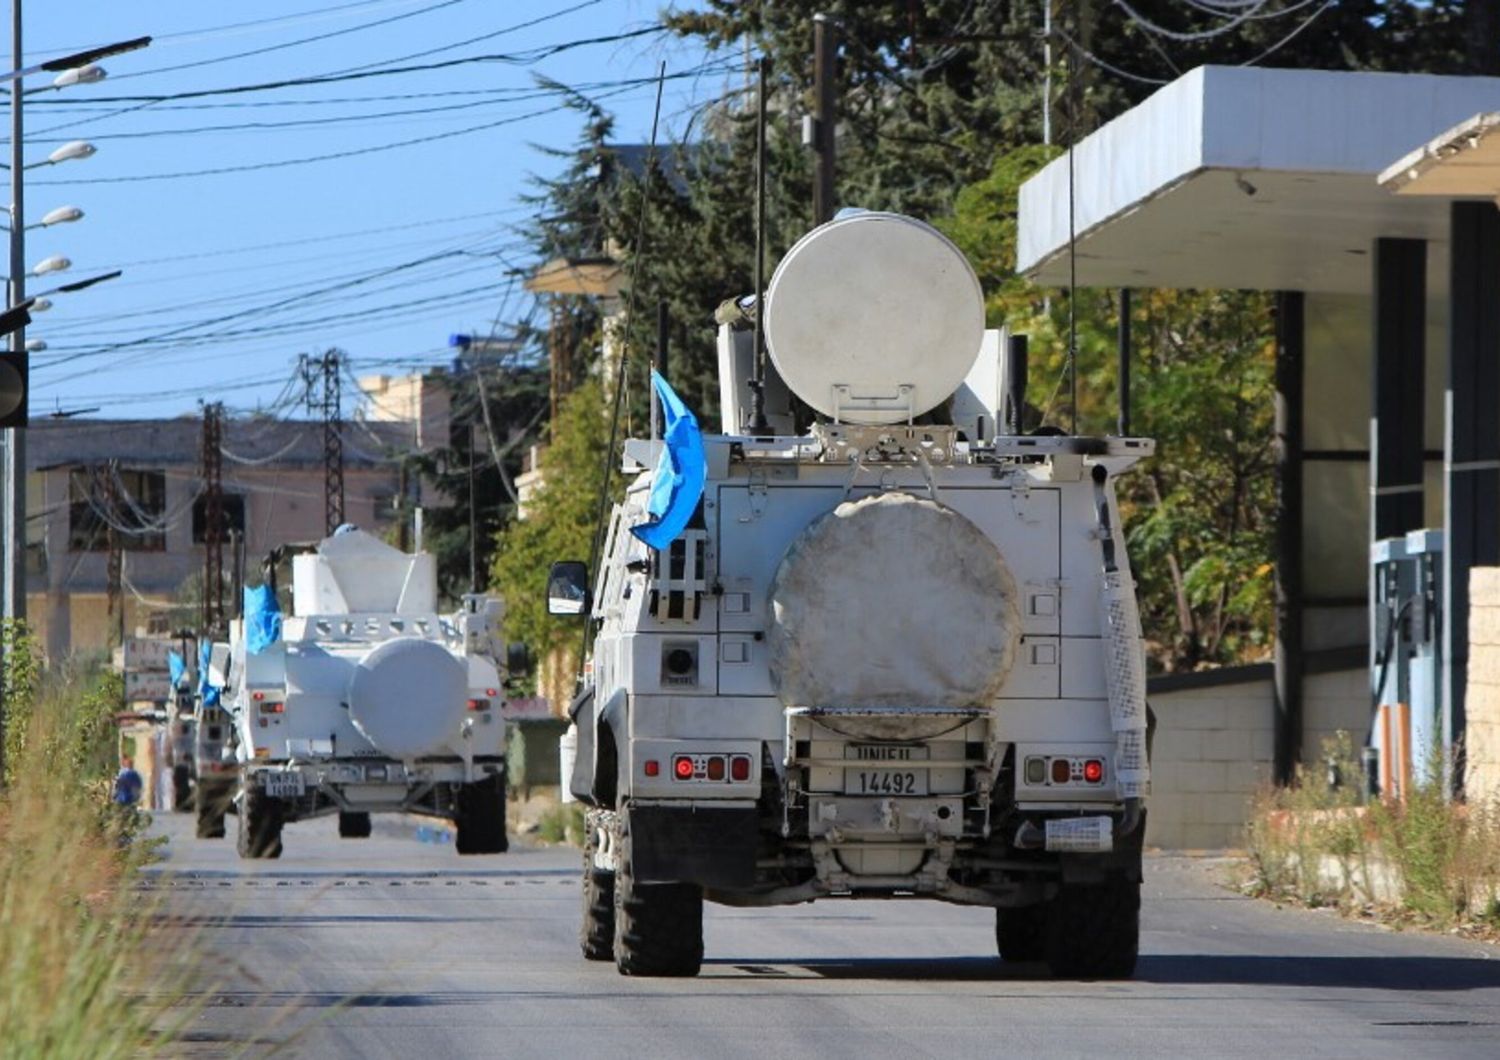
<point>114,568</point>
<point>403,524</point>
<point>213,518</point>
<point>13,518</point>
<point>1047,72</point>
<point>322,376</point>
<point>825,118</point>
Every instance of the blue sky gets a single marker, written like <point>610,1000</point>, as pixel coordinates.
<point>384,252</point>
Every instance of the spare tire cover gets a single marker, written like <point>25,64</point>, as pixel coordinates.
<point>892,600</point>
<point>408,697</point>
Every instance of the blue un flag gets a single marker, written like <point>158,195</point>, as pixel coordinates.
<point>680,471</point>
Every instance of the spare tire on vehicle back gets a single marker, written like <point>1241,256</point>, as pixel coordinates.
<point>895,605</point>
<point>408,697</point>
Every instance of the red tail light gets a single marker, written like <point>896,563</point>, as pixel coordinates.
<point>479,704</point>
<point>716,768</point>
<point>652,767</point>
<point>739,768</point>
<point>273,708</point>
<point>1062,770</point>
<point>682,766</point>
<point>1093,770</point>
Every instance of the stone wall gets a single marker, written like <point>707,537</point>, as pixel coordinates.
<point>1482,703</point>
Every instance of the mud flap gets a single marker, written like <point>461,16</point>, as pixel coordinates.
<point>714,848</point>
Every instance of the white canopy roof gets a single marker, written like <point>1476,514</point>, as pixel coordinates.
<point>1237,177</point>
<point>1462,162</point>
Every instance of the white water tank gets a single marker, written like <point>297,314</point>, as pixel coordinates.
<point>874,318</point>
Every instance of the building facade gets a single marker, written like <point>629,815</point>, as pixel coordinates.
<point>137,487</point>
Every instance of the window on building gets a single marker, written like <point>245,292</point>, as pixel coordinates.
<point>131,503</point>
<point>234,517</point>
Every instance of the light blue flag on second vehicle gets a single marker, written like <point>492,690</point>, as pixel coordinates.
<point>206,688</point>
<point>680,471</point>
<point>262,618</point>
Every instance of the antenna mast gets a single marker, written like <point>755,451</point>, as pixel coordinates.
<point>213,517</point>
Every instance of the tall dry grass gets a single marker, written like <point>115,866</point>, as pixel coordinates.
<point>1427,860</point>
<point>85,968</point>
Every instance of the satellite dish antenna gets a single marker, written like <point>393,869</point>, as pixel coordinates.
<point>874,318</point>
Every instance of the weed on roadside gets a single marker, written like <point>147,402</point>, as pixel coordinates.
<point>1427,861</point>
<point>562,823</point>
<point>79,942</point>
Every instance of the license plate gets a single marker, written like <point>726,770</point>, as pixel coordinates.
<point>285,785</point>
<point>885,782</point>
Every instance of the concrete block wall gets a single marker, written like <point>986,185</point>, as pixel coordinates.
<point>1212,750</point>
<point>1334,703</point>
<point>1482,702</point>
<point>1215,746</point>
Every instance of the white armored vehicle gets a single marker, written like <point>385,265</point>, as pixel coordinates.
<point>896,656</point>
<point>367,700</point>
<point>215,771</point>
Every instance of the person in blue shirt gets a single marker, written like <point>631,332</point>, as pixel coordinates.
<point>128,784</point>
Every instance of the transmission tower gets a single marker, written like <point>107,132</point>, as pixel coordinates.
<point>213,517</point>
<point>322,376</point>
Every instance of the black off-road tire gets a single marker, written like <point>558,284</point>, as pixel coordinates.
<point>1021,933</point>
<point>480,817</point>
<point>182,788</point>
<point>211,801</point>
<point>1094,931</point>
<point>354,825</point>
<point>596,936</point>
<point>658,926</point>
<point>259,833</point>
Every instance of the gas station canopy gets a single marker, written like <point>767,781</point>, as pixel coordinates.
<point>1463,162</point>
<point>1238,177</point>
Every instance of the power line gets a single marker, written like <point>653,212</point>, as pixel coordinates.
<point>332,156</point>
<point>406,283</point>
<point>1284,41</point>
<point>297,123</point>
<point>510,58</point>
<point>218,337</point>
<point>237,28</point>
<point>1102,64</point>
<point>475,40</point>
<point>293,43</point>
<point>370,277</point>
<point>328,237</point>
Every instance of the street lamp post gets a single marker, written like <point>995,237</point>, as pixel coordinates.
<point>80,68</point>
<point>13,515</point>
<point>13,463</point>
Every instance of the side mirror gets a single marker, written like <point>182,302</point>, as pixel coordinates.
<point>568,588</point>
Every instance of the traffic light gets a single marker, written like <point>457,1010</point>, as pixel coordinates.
<point>13,369</point>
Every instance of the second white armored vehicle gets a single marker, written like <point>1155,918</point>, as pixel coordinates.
<point>367,700</point>
<point>895,656</point>
<point>215,771</point>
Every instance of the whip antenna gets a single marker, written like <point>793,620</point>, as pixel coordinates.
<point>758,424</point>
<point>1072,244</point>
<point>614,420</point>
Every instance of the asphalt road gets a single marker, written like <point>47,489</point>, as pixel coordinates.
<point>394,947</point>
